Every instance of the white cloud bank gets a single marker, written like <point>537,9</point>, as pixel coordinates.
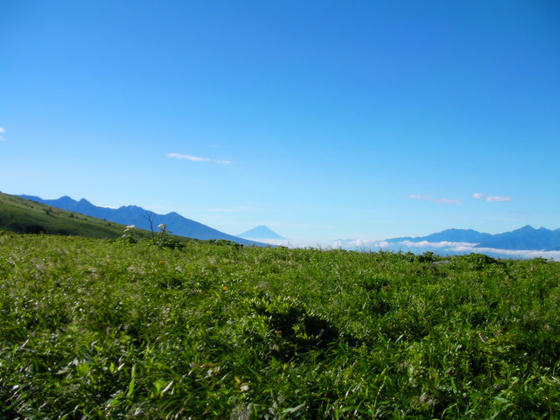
<point>360,243</point>
<point>197,158</point>
<point>445,247</point>
<point>278,242</point>
<point>442,248</point>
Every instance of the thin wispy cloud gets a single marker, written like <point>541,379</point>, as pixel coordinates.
<point>2,131</point>
<point>443,200</point>
<point>491,198</point>
<point>497,199</point>
<point>197,158</point>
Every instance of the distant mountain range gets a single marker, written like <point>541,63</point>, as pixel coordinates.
<point>134,215</point>
<point>260,232</point>
<point>525,238</point>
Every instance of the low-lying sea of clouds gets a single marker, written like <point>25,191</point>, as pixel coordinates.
<point>441,248</point>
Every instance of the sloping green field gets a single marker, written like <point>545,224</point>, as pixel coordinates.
<point>94,328</point>
<point>26,216</point>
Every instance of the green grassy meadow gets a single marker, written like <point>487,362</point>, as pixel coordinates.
<point>97,328</point>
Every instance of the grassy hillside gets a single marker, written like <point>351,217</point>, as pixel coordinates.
<point>25,216</point>
<point>93,328</point>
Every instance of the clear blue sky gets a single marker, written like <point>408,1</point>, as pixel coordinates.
<point>322,120</point>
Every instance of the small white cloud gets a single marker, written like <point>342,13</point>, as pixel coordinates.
<point>491,198</point>
<point>197,158</point>
<point>2,131</point>
<point>497,199</point>
<point>188,157</point>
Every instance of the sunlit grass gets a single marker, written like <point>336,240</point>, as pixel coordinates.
<point>95,328</point>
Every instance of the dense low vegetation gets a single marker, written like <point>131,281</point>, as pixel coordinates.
<point>93,328</point>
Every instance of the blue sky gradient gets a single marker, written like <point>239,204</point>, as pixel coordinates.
<point>322,120</point>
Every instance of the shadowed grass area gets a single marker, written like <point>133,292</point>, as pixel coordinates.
<point>93,328</point>
<point>26,216</point>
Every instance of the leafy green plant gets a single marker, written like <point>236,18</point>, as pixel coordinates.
<point>128,234</point>
<point>164,240</point>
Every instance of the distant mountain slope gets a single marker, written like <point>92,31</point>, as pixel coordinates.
<point>24,216</point>
<point>450,235</point>
<point>260,232</point>
<point>134,215</point>
<point>525,238</point>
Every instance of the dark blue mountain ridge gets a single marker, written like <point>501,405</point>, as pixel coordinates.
<point>450,235</point>
<point>134,215</point>
<point>525,238</point>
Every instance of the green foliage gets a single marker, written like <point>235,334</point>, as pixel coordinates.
<point>128,235</point>
<point>164,240</point>
<point>93,328</point>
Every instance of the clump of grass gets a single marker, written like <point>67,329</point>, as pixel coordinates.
<point>92,328</point>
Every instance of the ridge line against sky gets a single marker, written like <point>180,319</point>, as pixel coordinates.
<point>364,120</point>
